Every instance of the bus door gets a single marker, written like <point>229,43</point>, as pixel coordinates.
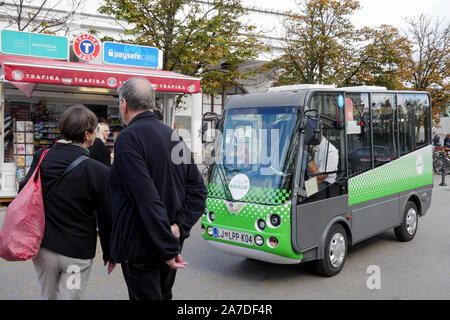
<point>372,143</point>
<point>323,174</point>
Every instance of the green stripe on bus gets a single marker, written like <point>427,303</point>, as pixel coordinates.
<point>406,173</point>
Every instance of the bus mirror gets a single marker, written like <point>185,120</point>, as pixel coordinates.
<point>217,124</point>
<point>208,117</point>
<point>204,129</point>
<point>313,132</point>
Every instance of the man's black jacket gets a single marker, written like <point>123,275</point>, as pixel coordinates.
<point>151,189</point>
<point>100,152</point>
<point>70,211</point>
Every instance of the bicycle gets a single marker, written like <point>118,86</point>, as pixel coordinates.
<point>441,158</point>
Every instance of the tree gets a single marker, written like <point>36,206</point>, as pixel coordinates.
<point>316,41</point>
<point>40,16</point>
<point>379,58</point>
<point>428,66</point>
<point>323,46</point>
<point>203,40</point>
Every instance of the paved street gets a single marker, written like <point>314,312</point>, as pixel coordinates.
<point>415,270</point>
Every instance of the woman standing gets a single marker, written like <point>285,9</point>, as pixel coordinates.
<point>98,150</point>
<point>65,258</point>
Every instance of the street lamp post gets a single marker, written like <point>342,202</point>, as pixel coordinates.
<point>443,184</point>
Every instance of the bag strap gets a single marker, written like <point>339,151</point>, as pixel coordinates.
<point>42,157</point>
<point>37,171</point>
<point>71,166</point>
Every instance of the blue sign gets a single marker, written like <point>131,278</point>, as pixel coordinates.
<point>88,47</point>
<point>131,55</point>
<point>341,101</point>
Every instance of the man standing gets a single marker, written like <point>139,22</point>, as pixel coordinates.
<point>155,200</point>
<point>436,140</point>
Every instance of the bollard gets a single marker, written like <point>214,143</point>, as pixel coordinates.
<point>443,184</point>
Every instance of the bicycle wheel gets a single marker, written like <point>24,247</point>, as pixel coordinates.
<point>447,166</point>
<point>437,166</point>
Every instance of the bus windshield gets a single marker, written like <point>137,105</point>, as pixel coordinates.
<point>256,155</point>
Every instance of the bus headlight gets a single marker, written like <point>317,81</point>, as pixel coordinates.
<point>260,224</point>
<point>211,216</point>
<point>275,220</point>
<point>259,241</point>
<point>273,242</point>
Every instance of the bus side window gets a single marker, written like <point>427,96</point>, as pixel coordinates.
<point>414,121</point>
<point>359,141</point>
<point>384,134</point>
<point>332,130</point>
<point>405,126</point>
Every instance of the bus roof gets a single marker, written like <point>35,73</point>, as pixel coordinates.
<point>296,97</point>
<point>272,99</point>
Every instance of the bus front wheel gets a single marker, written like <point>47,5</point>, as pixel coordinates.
<point>407,230</point>
<point>335,252</point>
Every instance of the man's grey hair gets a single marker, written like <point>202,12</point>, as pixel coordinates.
<point>138,93</point>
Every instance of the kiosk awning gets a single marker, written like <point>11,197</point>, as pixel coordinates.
<point>33,70</point>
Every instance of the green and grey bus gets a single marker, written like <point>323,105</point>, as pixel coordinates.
<point>372,156</point>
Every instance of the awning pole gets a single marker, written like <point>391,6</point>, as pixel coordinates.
<point>166,109</point>
<point>196,125</point>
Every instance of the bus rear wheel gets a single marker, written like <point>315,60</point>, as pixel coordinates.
<point>335,253</point>
<point>407,230</point>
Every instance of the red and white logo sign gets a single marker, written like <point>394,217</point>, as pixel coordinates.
<point>86,47</point>
<point>112,82</point>
<point>17,75</point>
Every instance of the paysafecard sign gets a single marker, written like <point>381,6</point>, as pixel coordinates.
<point>132,55</point>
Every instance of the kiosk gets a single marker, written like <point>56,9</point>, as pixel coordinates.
<point>34,92</point>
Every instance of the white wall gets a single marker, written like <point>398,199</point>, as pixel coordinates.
<point>444,128</point>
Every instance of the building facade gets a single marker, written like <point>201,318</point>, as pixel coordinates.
<point>186,119</point>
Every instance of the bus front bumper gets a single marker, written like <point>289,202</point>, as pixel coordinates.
<point>252,254</point>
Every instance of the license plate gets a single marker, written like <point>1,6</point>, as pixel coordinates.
<point>233,236</point>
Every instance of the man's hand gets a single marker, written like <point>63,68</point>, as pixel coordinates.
<point>177,263</point>
<point>175,230</point>
<point>111,266</point>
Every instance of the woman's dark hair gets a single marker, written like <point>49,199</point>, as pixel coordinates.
<point>75,121</point>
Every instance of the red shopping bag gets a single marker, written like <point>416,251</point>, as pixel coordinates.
<point>23,228</point>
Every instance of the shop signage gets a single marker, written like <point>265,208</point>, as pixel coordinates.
<point>34,45</point>
<point>132,55</point>
<point>86,47</point>
<point>95,78</point>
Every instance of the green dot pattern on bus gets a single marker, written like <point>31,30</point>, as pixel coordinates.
<point>254,195</point>
<point>397,176</point>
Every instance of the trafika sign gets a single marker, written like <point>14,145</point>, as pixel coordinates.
<point>86,47</point>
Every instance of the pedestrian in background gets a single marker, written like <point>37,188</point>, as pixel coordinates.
<point>447,141</point>
<point>155,201</point>
<point>70,235</point>
<point>436,140</point>
<point>98,150</point>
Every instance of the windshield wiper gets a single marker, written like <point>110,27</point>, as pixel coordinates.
<point>224,180</point>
